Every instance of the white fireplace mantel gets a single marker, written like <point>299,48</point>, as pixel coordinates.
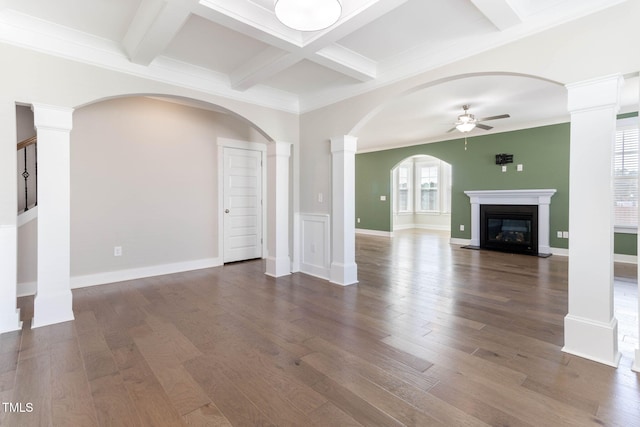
<point>541,198</point>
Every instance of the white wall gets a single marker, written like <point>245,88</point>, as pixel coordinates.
<point>28,257</point>
<point>144,177</point>
<point>24,123</point>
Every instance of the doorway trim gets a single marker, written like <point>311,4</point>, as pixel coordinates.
<point>243,145</point>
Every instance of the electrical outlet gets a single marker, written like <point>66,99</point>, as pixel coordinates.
<point>358,220</point>
<point>504,168</point>
<point>565,234</point>
<point>461,227</point>
<point>320,198</point>
<point>383,198</point>
<point>519,168</point>
<point>117,251</point>
<point>559,234</point>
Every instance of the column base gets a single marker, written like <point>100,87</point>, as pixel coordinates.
<point>49,309</point>
<point>10,322</point>
<point>278,267</point>
<point>592,340</point>
<point>343,274</point>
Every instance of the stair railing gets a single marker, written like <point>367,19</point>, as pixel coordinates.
<point>24,145</point>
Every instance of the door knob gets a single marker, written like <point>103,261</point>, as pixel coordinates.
<point>226,211</point>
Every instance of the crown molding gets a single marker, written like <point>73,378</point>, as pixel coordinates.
<point>27,32</point>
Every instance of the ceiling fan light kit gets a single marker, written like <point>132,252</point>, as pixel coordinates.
<point>308,15</point>
<point>465,126</point>
<point>467,121</point>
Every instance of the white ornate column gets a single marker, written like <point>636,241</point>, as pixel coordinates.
<point>53,301</point>
<point>278,260</point>
<point>590,328</point>
<point>344,270</point>
<point>9,314</point>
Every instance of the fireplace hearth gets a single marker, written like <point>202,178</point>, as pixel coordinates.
<point>509,228</point>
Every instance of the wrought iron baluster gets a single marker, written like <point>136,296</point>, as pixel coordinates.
<point>25,175</point>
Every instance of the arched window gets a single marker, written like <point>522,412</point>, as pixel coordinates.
<point>422,184</point>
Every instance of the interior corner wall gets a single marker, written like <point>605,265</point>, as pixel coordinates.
<point>543,152</point>
<point>144,177</point>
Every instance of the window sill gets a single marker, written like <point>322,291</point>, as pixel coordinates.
<point>625,229</point>
<point>432,213</point>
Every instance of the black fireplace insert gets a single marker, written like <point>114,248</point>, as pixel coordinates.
<point>509,228</point>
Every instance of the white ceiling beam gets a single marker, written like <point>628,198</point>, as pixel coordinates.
<point>251,20</point>
<point>319,47</point>
<point>499,12</point>
<point>346,61</point>
<point>322,48</point>
<point>262,67</point>
<point>153,27</point>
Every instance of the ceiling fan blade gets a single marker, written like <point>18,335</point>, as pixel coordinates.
<point>501,116</point>
<point>451,130</point>
<point>485,127</point>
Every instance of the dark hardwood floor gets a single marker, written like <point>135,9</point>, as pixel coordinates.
<point>432,335</point>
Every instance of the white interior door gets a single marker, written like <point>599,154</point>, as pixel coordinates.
<point>242,204</point>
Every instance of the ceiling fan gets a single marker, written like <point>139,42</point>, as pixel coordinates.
<point>467,121</point>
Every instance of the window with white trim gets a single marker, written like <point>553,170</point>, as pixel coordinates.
<point>428,190</point>
<point>625,172</point>
<point>422,184</point>
<point>404,188</point>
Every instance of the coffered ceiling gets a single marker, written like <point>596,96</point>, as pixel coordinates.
<point>238,49</point>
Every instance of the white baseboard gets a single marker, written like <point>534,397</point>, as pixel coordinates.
<point>374,232</point>
<point>27,216</point>
<point>142,272</point>
<point>560,251</point>
<point>434,227</point>
<point>461,242</point>
<point>26,289</point>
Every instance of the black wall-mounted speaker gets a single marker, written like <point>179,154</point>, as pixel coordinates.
<point>503,159</point>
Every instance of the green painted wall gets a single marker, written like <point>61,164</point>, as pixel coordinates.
<point>543,152</point>
<point>625,244</point>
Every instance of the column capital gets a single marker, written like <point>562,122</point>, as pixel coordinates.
<point>595,93</point>
<point>52,117</point>
<point>344,143</point>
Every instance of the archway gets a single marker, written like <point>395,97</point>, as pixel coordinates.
<point>421,194</point>
<point>143,178</point>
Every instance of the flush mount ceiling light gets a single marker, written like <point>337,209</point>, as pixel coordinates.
<point>308,15</point>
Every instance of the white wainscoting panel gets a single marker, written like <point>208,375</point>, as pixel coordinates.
<point>315,245</point>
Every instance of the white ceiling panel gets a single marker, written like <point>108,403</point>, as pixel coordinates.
<point>305,77</point>
<point>207,44</point>
<point>417,24</point>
